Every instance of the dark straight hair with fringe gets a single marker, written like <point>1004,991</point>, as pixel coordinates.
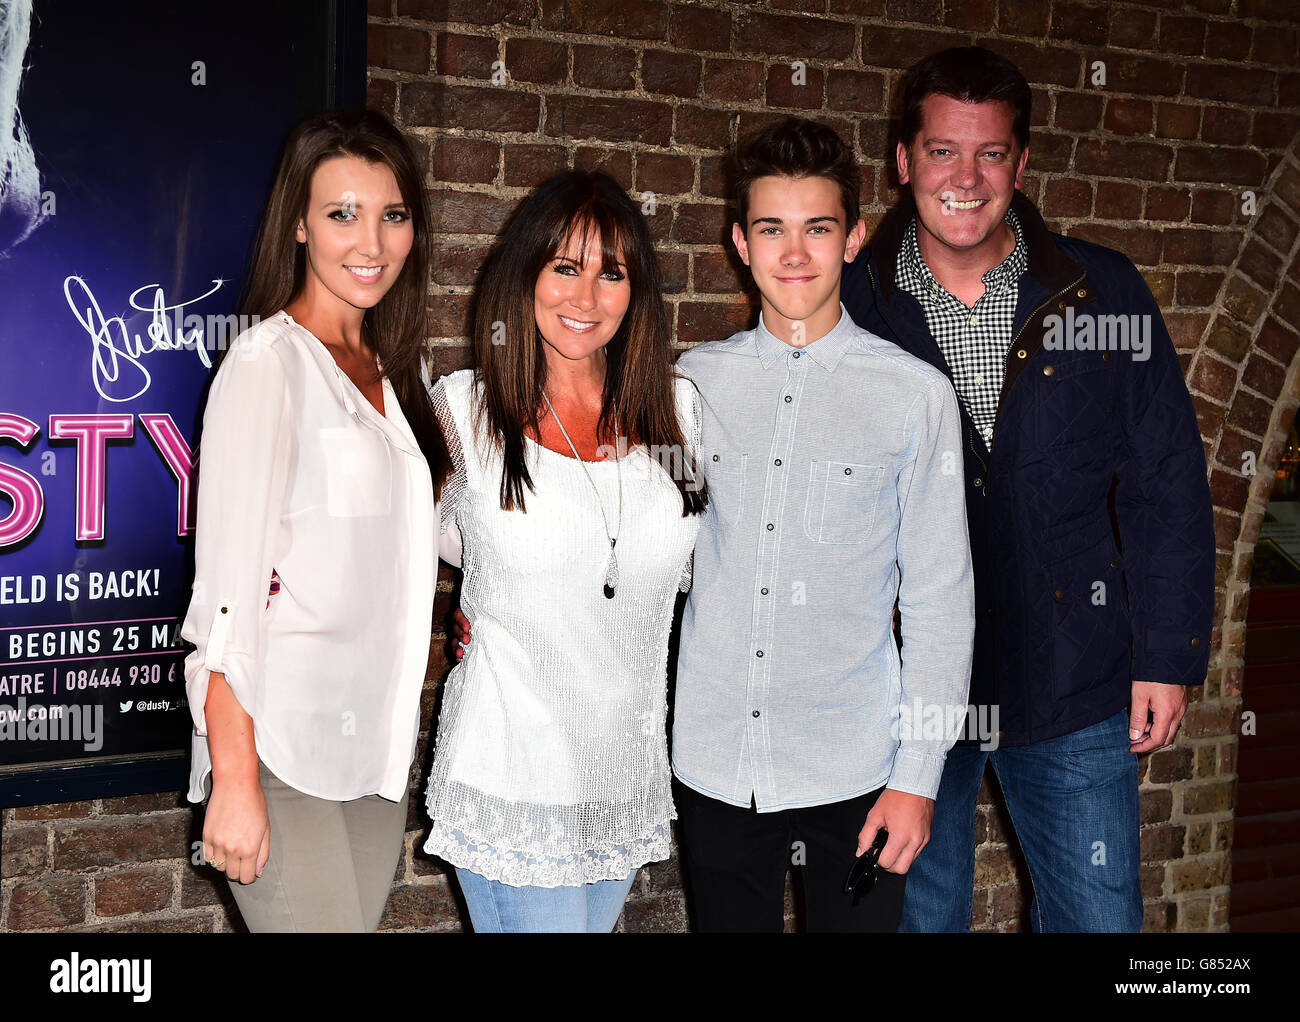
<point>396,328</point>
<point>795,147</point>
<point>969,74</point>
<point>638,396</point>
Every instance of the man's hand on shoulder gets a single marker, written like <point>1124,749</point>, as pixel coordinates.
<point>1167,704</point>
<point>907,818</point>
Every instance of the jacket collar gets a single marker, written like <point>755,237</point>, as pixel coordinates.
<point>1047,263</point>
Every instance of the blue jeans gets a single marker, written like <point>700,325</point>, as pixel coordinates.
<point>495,907</point>
<point>1073,802</point>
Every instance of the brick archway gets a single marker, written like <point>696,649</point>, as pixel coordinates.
<point>1245,381</point>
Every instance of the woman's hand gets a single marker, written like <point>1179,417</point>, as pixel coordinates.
<point>460,626</point>
<point>236,829</point>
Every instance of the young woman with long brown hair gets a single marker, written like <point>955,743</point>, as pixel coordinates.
<point>315,548</point>
<point>574,486</point>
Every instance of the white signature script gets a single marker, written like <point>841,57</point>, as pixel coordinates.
<point>117,355</point>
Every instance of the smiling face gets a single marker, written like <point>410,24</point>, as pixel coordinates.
<point>964,169</point>
<point>357,230</point>
<point>796,245</point>
<point>577,304</point>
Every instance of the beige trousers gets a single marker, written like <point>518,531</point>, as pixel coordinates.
<point>332,863</point>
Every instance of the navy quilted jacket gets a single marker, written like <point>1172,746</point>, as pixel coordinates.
<point>1090,521</point>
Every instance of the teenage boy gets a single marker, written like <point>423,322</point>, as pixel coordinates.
<point>1072,401</point>
<point>832,460</point>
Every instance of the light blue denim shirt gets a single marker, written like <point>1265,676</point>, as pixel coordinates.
<point>834,472</point>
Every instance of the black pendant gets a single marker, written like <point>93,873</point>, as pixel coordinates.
<point>609,592</point>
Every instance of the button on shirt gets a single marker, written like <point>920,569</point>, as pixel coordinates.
<point>974,340</point>
<point>834,470</point>
<point>300,476</point>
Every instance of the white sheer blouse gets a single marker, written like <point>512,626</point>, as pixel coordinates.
<point>315,568</point>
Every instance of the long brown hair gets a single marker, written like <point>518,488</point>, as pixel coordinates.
<point>397,326</point>
<point>510,361</point>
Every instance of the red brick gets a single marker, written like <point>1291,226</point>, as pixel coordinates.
<point>1078,111</point>
<point>56,902</point>
<point>1213,377</point>
<point>627,19</point>
<point>1143,76</point>
<point>456,265</point>
<point>1214,206</point>
<point>786,35</point>
<point>1141,244</point>
<point>971,15</point>
<point>110,842</point>
<point>712,321</point>
<point>402,49</point>
<point>474,12</point>
<point>1249,413</point>
<point>25,851</point>
<point>1021,19</point>
<point>1264,375</point>
<point>612,120</point>
<point>617,163</point>
<point>1186,329</point>
<point>539,61</point>
<point>466,56</point>
<point>720,272</point>
<point>1228,338</point>
<point>1159,844</point>
<point>1274,130</point>
<point>1178,120</point>
<point>698,28</point>
<point>1228,40</point>
<point>604,67</point>
<point>1286,306</point>
<point>1046,65</point>
<point>1133,30</point>
<point>1227,490</point>
<point>1068,197</point>
<point>886,46</point>
<point>1225,83</point>
<point>1230,166</point>
<point>925,11</point>
<point>1276,228</point>
<point>528,164</point>
<point>1197,288</point>
<point>1182,35</point>
<point>664,174</point>
<point>1146,161</point>
<point>1199,247</point>
<point>55,811</point>
<point>1118,200</point>
<point>861,92</point>
<point>1278,340</point>
<point>1225,125</point>
<point>674,270</point>
<point>132,890</point>
<point>1167,203</point>
<point>465,159</point>
<point>732,81</point>
<point>1227,527</point>
<point>1276,45</point>
<point>381,96</point>
<point>713,176</point>
<point>458,212</point>
<point>782,91</point>
<point>449,315</point>
<point>1243,301</point>
<point>469,106</point>
<point>676,74</point>
<point>698,126</point>
<point>1129,116</point>
<point>1080,23</point>
<point>1260,264</point>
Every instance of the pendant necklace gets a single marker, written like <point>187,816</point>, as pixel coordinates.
<point>611,570</point>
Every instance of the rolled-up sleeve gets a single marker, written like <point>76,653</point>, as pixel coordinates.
<point>244,455</point>
<point>936,596</point>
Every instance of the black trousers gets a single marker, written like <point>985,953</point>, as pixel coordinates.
<point>736,861</point>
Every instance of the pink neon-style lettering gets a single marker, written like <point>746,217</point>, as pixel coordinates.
<point>92,433</point>
<point>24,490</point>
<point>175,451</point>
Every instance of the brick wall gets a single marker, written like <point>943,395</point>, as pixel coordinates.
<point>1201,104</point>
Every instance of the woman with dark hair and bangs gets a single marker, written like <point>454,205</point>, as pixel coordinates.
<point>315,555</point>
<point>575,490</point>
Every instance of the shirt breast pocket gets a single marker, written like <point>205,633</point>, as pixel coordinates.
<point>842,501</point>
<point>358,473</point>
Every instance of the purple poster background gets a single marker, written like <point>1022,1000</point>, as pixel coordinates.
<point>155,130</point>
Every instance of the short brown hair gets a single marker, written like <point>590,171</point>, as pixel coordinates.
<point>968,74</point>
<point>795,147</point>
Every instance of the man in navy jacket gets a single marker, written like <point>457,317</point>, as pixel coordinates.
<point>1090,518</point>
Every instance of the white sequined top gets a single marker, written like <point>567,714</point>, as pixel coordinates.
<point>551,766</point>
